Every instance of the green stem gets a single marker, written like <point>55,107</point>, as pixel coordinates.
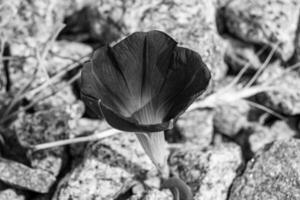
<point>179,189</point>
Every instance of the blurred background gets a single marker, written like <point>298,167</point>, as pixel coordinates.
<point>238,141</point>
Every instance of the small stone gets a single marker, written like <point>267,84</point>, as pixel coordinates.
<point>155,194</point>
<point>42,127</point>
<point>36,32</point>
<point>209,171</point>
<point>272,174</point>
<point>26,72</point>
<point>153,181</point>
<point>92,180</point>
<point>124,149</point>
<point>191,23</point>
<point>261,136</point>
<point>64,53</point>
<point>286,98</point>
<point>138,190</point>
<point>266,22</point>
<point>11,194</point>
<point>231,117</point>
<point>21,176</point>
<point>107,165</point>
<point>197,126</point>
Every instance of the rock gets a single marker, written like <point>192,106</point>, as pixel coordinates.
<point>272,174</point>
<point>209,171</point>
<point>81,126</point>
<point>262,136</point>
<point>33,22</point>
<point>286,98</point>
<point>137,190</point>
<point>29,34</point>
<point>91,24</point>
<point>11,194</point>
<point>61,58</point>
<point>65,53</point>
<point>296,56</point>
<point>64,60</point>
<point>42,127</point>
<point>239,55</point>
<point>267,22</point>
<point>61,95</point>
<point>190,23</point>
<point>92,180</point>
<point>197,127</point>
<point>21,176</point>
<point>231,117</point>
<point>107,166</point>
<point>158,195</point>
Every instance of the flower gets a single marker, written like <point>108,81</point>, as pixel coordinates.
<point>143,82</point>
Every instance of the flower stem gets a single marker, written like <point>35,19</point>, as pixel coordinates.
<point>154,145</point>
<point>179,189</point>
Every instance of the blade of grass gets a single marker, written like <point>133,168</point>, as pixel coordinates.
<point>96,136</point>
<point>264,65</point>
<point>6,118</point>
<point>266,109</point>
<point>42,56</point>
<point>243,71</point>
<point>55,77</point>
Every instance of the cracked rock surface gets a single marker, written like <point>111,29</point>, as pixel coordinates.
<point>208,171</point>
<point>108,165</point>
<point>273,174</point>
<point>21,176</point>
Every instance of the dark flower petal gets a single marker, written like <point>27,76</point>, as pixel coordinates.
<point>92,104</point>
<point>122,76</point>
<point>143,59</point>
<point>129,124</point>
<point>187,79</point>
<point>110,82</point>
<point>96,85</point>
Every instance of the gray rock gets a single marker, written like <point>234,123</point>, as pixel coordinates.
<point>261,136</point>
<point>62,55</point>
<point>191,23</point>
<point>231,117</point>
<point>197,126</point>
<point>138,191</point>
<point>273,174</point>
<point>92,180</point>
<point>107,166</point>
<point>42,127</point>
<point>33,22</point>
<point>296,56</point>
<point>155,194</point>
<point>286,98</point>
<point>209,171</point>
<point>21,176</point>
<point>262,22</point>
<point>11,194</point>
<point>239,55</point>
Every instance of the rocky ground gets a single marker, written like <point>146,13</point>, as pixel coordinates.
<point>239,141</point>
